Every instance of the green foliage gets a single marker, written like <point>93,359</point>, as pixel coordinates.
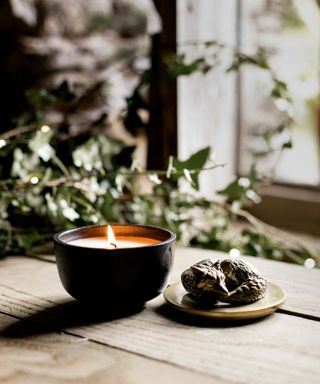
<point>273,140</point>
<point>177,65</point>
<point>243,189</point>
<point>50,180</point>
<point>289,15</point>
<point>257,244</point>
<point>196,162</point>
<point>43,195</point>
<point>259,60</point>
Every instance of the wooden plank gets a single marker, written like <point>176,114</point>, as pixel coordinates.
<point>302,285</point>
<point>52,358</point>
<point>270,349</point>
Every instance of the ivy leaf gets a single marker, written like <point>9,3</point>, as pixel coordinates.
<point>194,165</point>
<point>280,89</point>
<point>287,145</point>
<point>258,60</point>
<point>177,65</point>
<point>242,189</point>
<point>233,191</point>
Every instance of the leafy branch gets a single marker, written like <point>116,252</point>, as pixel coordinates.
<point>51,180</point>
<point>273,139</point>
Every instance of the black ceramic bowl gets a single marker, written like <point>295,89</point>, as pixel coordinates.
<point>114,277</point>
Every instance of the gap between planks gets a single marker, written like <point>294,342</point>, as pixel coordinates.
<point>297,314</point>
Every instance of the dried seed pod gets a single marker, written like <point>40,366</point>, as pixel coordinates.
<point>204,281</point>
<point>231,281</point>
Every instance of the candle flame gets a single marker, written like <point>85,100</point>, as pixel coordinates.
<point>111,238</point>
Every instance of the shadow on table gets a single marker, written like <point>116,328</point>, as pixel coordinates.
<point>63,316</point>
<point>193,320</point>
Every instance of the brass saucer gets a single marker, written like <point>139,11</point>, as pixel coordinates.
<point>178,298</point>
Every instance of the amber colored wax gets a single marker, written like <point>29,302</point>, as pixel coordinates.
<point>122,242</point>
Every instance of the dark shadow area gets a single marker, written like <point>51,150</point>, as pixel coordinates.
<point>193,320</point>
<point>65,315</point>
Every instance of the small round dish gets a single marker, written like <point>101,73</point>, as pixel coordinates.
<point>178,298</point>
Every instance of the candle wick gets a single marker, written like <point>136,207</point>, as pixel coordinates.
<point>115,245</point>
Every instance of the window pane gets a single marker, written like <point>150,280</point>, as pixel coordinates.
<point>290,31</point>
<point>206,102</point>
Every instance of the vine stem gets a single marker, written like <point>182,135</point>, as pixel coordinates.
<point>68,181</point>
<point>62,167</point>
<point>18,131</point>
<point>162,172</point>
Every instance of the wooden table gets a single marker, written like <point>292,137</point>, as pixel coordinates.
<point>47,337</point>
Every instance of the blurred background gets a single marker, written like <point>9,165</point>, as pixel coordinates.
<point>229,111</point>
<point>166,77</point>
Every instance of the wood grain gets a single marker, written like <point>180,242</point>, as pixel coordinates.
<point>270,349</point>
<point>55,358</point>
<point>301,285</point>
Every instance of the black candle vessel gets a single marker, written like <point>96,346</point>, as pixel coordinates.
<point>117,277</point>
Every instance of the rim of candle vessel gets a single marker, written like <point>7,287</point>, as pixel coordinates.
<point>56,237</point>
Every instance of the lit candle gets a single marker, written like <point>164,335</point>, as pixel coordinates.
<point>110,242</point>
